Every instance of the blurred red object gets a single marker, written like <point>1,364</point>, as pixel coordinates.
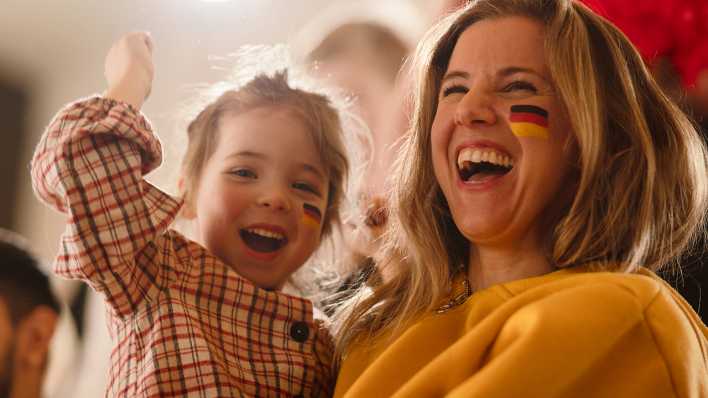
<point>674,29</point>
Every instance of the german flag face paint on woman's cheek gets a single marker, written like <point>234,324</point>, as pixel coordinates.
<point>529,121</point>
<point>311,215</point>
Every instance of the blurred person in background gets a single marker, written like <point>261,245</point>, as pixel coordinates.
<point>28,316</point>
<point>362,55</point>
<point>363,49</point>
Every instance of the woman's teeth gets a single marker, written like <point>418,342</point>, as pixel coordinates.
<point>492,156</point>
<point>474,164</point>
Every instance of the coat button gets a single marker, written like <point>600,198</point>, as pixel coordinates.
<point>299,331</point>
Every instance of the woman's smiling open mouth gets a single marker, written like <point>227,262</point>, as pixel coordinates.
<point>478,164</point>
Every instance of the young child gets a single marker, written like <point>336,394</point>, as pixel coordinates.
<point>262,180</point>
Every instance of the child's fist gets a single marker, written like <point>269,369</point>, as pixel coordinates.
<point>129,69</point>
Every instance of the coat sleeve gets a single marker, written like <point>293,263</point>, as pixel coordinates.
<point>89,165</point>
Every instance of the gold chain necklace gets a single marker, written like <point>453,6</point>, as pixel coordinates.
<point>461,291</point>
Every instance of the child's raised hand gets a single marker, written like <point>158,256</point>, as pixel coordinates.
<point>129,69</point>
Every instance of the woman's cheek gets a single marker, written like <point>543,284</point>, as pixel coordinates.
<point>440,135</point>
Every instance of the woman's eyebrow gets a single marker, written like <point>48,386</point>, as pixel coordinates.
<point>508,71</point>
<point>455,74</point>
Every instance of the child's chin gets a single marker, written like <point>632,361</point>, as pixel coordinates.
<point>265,282</point>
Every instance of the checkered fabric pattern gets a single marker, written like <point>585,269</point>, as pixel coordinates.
<point>184,324</point>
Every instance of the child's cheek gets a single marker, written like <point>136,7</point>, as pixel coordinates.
<point>233,205</point>
<point>311,217</point>
<point>312,220</point>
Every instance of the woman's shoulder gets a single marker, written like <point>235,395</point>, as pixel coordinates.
<point>642,287</point>
<point>610,302</point>
<point>646,312</point>
<point>585,293</point>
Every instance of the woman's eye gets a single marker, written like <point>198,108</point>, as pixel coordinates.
<point>454,89</point>
<point>244,173</point>
<point>303,186</point>
<point>519,85</point>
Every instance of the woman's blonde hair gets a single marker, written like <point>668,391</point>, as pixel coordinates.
<point>642,187</point>
<point>316,110</point>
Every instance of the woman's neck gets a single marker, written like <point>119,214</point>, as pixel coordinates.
<point>494,265</point>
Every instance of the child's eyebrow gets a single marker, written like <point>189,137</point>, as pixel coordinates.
<point>302,165</point>
<point>313,169</point>
<point>246,154</point>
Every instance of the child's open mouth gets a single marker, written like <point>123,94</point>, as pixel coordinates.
<point>478,164</point>
<point>262,240</point>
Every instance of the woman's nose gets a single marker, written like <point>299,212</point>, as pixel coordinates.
<point>475,108</point>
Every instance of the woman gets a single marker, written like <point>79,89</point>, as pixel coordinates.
<point>559,178</point>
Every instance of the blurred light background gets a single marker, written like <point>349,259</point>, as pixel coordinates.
<point>52,52</point>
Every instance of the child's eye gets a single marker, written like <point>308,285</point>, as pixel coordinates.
<point>243,173</point>
<point>303,186</point>
<point>519,85</point>
<point>454,89</point>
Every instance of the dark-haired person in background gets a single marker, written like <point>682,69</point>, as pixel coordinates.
<point>28,316</point>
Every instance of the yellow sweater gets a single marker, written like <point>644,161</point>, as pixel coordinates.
<point>566,334</point>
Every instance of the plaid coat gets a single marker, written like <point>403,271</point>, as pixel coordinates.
<point>183,322</point>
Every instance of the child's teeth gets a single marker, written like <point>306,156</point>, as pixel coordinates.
<point>266,233</point>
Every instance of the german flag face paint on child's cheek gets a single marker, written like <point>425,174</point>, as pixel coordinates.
<point>529,121</point>
<point>311,215</point>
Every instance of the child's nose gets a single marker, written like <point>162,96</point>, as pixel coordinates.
<point>276,200</point>
<point>475,108</point>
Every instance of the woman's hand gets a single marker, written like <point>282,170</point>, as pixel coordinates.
<point>129,69</point>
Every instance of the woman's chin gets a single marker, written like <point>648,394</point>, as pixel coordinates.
<point>497,235</point>
<point>481,228</point>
